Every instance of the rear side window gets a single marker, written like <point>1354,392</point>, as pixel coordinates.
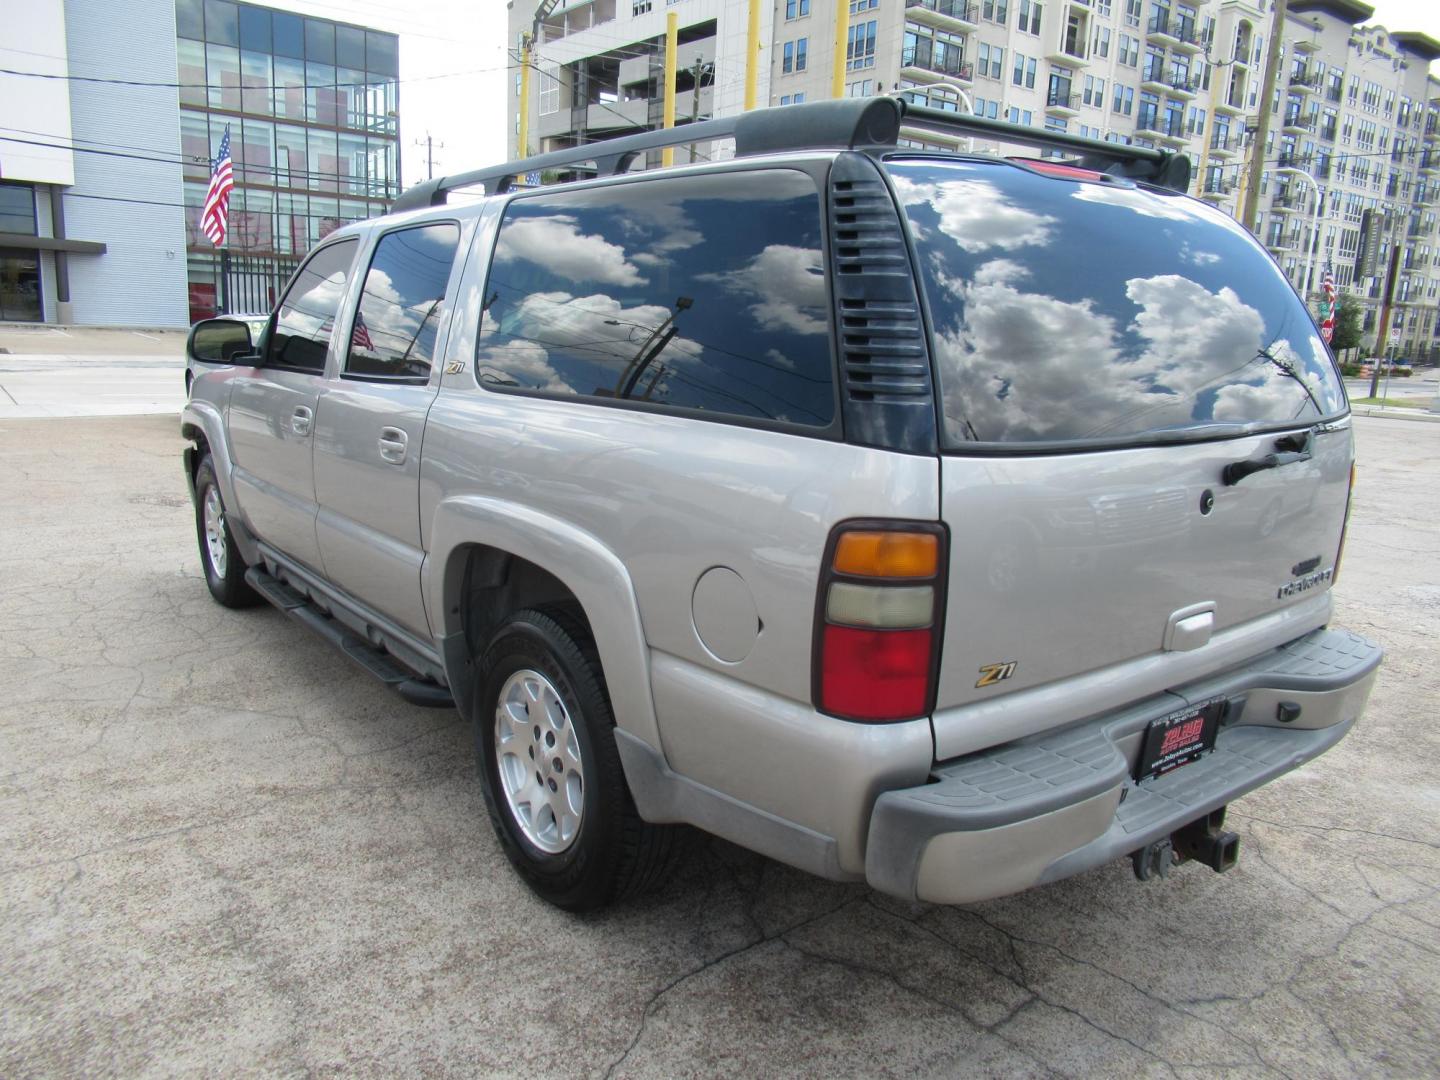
<point>1067,312</point>
<point>393,336</point>
<point>307,314</point>
<point>701,293</point>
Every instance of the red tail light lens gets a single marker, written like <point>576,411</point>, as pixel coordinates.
<point>875,674</point>
<point>877,633</point>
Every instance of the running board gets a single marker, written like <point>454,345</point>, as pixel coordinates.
<point>380,664</point>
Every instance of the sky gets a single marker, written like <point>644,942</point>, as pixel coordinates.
<point>454,67</point>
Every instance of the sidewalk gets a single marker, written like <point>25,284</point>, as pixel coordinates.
<point>61,384</point>
<point>78,342</point>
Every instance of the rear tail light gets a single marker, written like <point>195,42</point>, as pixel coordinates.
<point>878,620</point>
<point>1344,527</point>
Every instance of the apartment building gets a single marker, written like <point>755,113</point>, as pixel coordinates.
<point>1354,110</point>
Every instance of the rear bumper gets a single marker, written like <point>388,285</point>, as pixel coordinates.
<point>1052,805</point>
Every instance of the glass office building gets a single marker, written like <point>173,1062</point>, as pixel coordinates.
<point>312,107</point>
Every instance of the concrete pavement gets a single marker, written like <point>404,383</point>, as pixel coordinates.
<point>223,850</point>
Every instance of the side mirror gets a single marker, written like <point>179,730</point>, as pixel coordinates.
<point>219,341</point>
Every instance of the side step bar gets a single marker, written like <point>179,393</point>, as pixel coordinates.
<point>377,663</point>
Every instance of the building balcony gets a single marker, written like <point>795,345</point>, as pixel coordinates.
<point>1226,147</point>
<point>1071,55</point>
<point>1217,189</point>
<point>1292,160</point>
<point>922,63</point>
<point>1285,204</point>
<point>1175,32</point>
<point>1298,124</point>
<point>1231,104</point>
<point>962,16</point>
<point>1429,162</point>
<point>1306,47</point>
<point>1158,127</point>
<point>1182,86</point>
<point>1067,105</point>
<point>1283,243</point>
<point>1307,82</point>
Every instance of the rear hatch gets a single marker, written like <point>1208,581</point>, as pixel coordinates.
<point>1103,352</point>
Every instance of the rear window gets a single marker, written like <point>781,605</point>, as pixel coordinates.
<point>1068,312</point>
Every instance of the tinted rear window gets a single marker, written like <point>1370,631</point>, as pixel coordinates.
<point>699,293</point>
<point>1070,312</point>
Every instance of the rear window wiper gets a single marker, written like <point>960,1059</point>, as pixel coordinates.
<point>1289,449</point>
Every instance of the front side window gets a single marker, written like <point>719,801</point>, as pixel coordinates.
<point>393,336</point>
<point>307,314</point>
<point>1185,326</point>
<point>651,292</point>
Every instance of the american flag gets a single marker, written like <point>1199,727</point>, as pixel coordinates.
<point>215,214</point>
<point>360,334</point>
<point>1327,322</point>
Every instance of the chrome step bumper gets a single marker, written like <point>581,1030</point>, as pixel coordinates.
<point>1052,805</point>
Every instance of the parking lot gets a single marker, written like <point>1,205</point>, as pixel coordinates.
<point>227,851</point>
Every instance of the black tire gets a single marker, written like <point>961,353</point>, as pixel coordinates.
<point>613,854</point>
<point>227,585</point>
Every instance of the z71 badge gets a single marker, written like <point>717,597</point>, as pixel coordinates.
<point>990,674</point>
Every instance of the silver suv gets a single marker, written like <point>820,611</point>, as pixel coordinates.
<point>946,521</point>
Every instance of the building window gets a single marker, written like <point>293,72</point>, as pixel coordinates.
<point>17,209</point>
<point>640,7</point>
<point>787,58</point>
<point>795,9</point>
<point>1029,21</point>
<point>1094,92</point>
<point>857,6</point>
<point>1129,51</point>
<point>860,46</point>
<point>863,88</point>
<point>549,89</point>
<point>992,61</point>
<point>995,10</point>
<point>1124,103</point>
<point>800,50</point>
<point>1024,73</point>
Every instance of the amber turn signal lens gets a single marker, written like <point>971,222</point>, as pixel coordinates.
<point>888,554</point>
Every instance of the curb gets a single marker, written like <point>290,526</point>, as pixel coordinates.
<point>1397,414</point>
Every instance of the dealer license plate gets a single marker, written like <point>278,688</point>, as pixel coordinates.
<point>1176,740</point>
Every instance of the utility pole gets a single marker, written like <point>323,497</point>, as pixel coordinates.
<point>1250,204</point>
<point>672,33</point>
<point>522,139</point>
<point>699,70</point>
<point>430,145</point>
<point>1391,273</point>
<point>842,37</point>
<point>752,53</point>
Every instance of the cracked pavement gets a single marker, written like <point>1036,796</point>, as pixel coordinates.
<point>225,850</point>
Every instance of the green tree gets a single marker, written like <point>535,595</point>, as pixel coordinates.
<point>1348,312</point>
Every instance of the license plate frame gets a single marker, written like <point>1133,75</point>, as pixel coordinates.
<point>1179,739</point>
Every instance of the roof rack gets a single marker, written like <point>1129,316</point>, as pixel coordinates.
<point>844,123</point>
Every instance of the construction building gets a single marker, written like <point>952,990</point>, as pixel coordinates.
<point>1354,114</point>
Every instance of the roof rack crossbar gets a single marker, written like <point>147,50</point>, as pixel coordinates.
<point>849,123</point>
<point>1135,162</point>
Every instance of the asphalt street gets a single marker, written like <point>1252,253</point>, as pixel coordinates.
<point>224,851</point>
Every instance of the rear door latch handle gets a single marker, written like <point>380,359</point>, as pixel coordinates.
<point>301,419</point>
<point>393,443</point>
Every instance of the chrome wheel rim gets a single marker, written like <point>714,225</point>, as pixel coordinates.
<point>215,530</point>
<point>537,754</point>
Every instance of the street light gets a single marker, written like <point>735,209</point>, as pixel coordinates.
<point>1314,228</point>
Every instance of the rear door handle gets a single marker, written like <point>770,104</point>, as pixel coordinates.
<point>393,442</point>
<point>301,419</point>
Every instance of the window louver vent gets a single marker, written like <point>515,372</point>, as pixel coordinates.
<point>884,358</point>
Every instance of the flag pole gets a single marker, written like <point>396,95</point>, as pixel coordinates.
<point>224,281</point>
